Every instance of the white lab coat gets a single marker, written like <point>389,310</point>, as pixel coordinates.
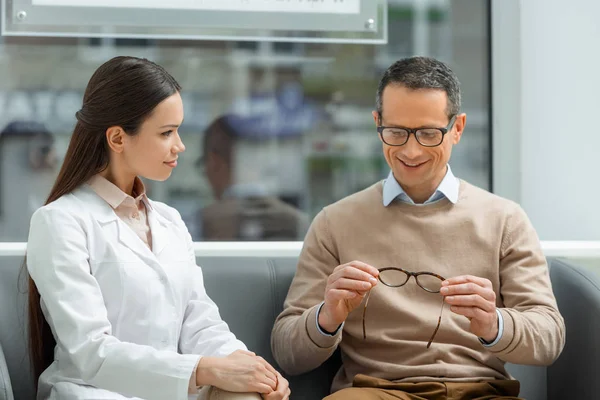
<point>130,322</point>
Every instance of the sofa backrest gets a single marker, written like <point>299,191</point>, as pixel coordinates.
<point>575,374</point>
<point>13,298</point>
<point>250,294</point>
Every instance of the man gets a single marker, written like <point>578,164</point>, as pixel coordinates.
<point>477,253</point>
<point>241,211</point>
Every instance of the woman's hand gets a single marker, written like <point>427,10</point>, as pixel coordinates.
<point>241,371</point>
<point>282,392</point>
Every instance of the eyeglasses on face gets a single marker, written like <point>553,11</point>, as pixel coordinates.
<point>398,277</point>
<point>427,137</point>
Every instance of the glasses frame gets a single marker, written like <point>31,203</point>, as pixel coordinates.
<point>409,274</point>
<point>414,131</point>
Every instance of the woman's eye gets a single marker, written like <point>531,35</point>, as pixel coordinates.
<point>167,133</point>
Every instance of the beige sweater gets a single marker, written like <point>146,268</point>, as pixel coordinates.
<point>482,235</point>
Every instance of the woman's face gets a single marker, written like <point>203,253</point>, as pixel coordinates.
<point>153,152</point>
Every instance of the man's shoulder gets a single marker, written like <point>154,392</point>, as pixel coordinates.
<point>475,197</point>
<point>360,202</point>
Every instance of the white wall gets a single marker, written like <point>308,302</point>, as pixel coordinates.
<point>546,99</point>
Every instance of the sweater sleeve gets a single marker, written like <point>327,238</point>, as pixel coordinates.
<point>297,344</point>
<point>534,330</point>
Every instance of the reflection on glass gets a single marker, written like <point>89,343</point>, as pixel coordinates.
<point>307,140</point>
<point>242,210</point>
<point>28,164</point>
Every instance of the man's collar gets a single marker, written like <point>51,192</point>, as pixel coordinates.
<point>448,188</point>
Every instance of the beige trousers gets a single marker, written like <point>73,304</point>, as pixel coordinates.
<point>369,388</point>
<point>213,393</point>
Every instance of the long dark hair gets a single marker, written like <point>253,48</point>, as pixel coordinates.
<point>122,92</point>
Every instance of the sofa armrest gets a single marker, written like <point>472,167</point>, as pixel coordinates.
<point>5,387</point>
<point>575,374</point>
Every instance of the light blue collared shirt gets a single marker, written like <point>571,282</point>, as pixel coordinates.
<point>448,188</point>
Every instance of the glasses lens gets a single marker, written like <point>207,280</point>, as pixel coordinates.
<point>430,283</point>
<point>393,277</point>
<point>430,137</point>
<point>394,136</point>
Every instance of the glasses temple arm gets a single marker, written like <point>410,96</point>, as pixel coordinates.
<point>438,325</point>
<point>365,315</point>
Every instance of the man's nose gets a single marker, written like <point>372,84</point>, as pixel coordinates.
<point>412,149</point>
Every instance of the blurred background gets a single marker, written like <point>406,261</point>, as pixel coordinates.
<point>290,123</point>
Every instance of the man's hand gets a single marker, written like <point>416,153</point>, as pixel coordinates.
<point>345,290</point>
<point>282,391</point>
<point>474,298</point>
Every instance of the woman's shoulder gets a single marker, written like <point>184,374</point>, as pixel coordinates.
<point>70,205</point>
<point>56,217</point>
<point>66,203</point>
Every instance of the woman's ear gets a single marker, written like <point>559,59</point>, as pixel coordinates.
<point>115,137</point>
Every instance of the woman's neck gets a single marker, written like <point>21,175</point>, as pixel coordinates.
<point>125,183</point>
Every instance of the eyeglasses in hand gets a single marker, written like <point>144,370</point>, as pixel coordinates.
<point>397,277</point>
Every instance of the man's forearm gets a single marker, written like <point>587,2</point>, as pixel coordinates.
<point>533,337</point>
<point>297,344</point>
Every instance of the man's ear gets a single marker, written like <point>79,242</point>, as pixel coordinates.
<point>375,117</point>
<point>459,127</point>
<point>115,137</point>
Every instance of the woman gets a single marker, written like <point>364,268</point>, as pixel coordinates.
<point>117,305</point>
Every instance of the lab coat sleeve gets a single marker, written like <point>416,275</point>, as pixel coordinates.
<point>203,331</point>
<point>58,262</point>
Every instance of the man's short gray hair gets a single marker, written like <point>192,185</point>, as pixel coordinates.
<point>422,73</point>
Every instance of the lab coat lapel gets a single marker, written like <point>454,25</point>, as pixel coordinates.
<point>159,226</point>
<point>107,217</point>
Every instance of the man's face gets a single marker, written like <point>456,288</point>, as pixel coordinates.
<point>217,169</point>
<point>417,168</point>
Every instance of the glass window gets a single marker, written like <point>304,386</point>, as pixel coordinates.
<point>274,131</point>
